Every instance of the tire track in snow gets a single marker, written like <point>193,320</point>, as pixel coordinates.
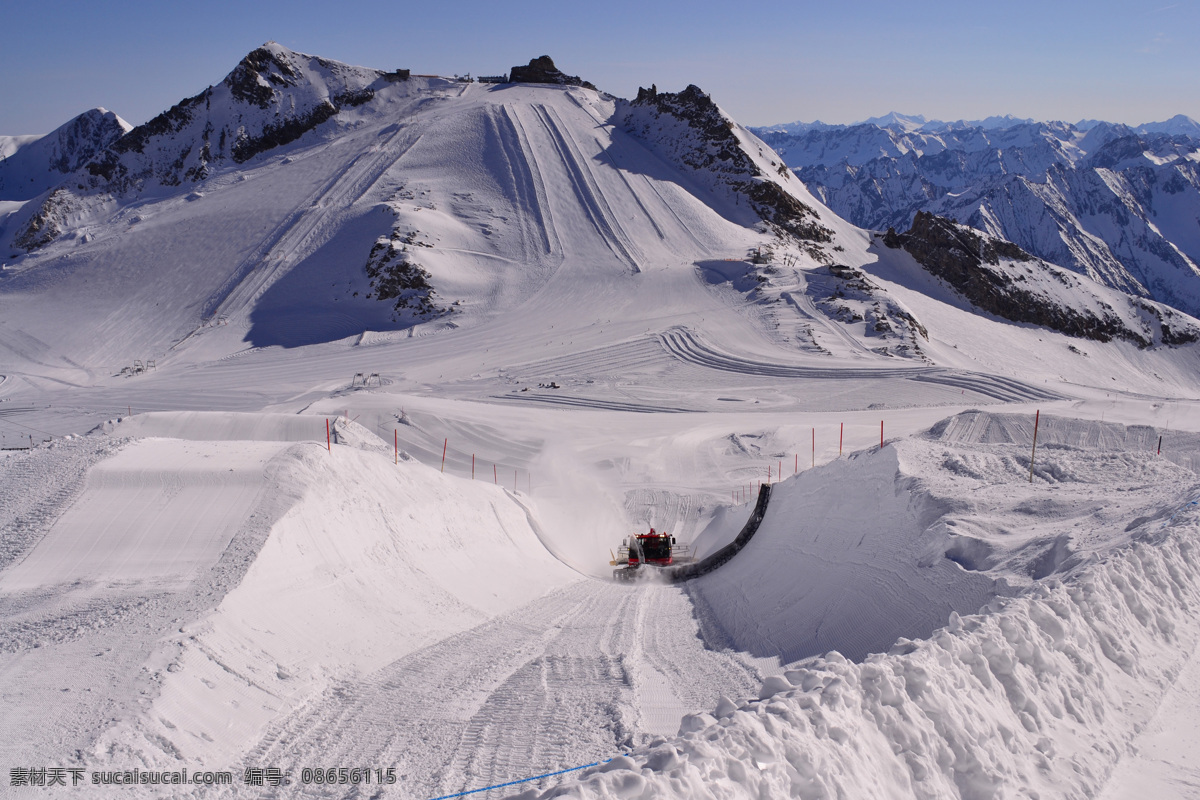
<point>540,206</point>
<point>587,191</point>
<point>300,230</point>
<point>560,682</point>
<point>686,346</point>
<point>590,402</point>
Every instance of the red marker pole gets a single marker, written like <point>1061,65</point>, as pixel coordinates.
<point>328,446</point>
<point>841,430</point>
<point>880,434</point>
<point>445,444</point>
<point>796,469</point>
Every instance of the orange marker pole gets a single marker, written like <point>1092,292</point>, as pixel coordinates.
<point>445,444</point>
<point>328,446</point>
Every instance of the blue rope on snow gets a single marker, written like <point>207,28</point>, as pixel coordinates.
<point>1181,510</point>
<point>523,780</point>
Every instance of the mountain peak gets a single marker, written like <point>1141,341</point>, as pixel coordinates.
<point>41,162</point>
<point>264,67</point>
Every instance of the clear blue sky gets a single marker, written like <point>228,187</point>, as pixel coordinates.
<point>1118,60</point>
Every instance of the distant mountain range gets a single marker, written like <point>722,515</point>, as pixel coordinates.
<point>1178,124</point>
<point>1116,203</point>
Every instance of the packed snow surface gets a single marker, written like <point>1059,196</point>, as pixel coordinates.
<point>261,519</point>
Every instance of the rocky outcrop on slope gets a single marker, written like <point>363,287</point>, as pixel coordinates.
<point>849,296</point>
<point>1002,279</point>
<point>542,70</point>
<point>690,129</point>
<point>394,275</point>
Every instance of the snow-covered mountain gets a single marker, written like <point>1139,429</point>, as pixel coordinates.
<point>1115,203</point>
<point>30,165</point>
<point>272,343</point>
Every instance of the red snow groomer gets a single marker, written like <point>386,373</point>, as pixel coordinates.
<point>652,549</point>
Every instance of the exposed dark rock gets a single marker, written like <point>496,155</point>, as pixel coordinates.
<point>251,79</point>
<point>171,121</point>
<point>717,149</point>
<point>785,211</point>
<point>959,255</point>
<point>353,98</point>
<point>542,70</point>
<point>46,224</point>
<point>246,147</point>
<point>394,277</point>
<point>713,128</point>
<point>849,295</point>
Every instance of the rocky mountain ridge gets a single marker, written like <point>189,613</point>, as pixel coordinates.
<point>1000,278</point>
<point>1109,202</point>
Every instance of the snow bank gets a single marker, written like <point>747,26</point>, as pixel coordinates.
<point>836,564</point>
<point>374,561</point>
<point>1038,696</point>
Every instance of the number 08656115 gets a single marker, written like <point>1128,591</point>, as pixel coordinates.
<point>345,775</point>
